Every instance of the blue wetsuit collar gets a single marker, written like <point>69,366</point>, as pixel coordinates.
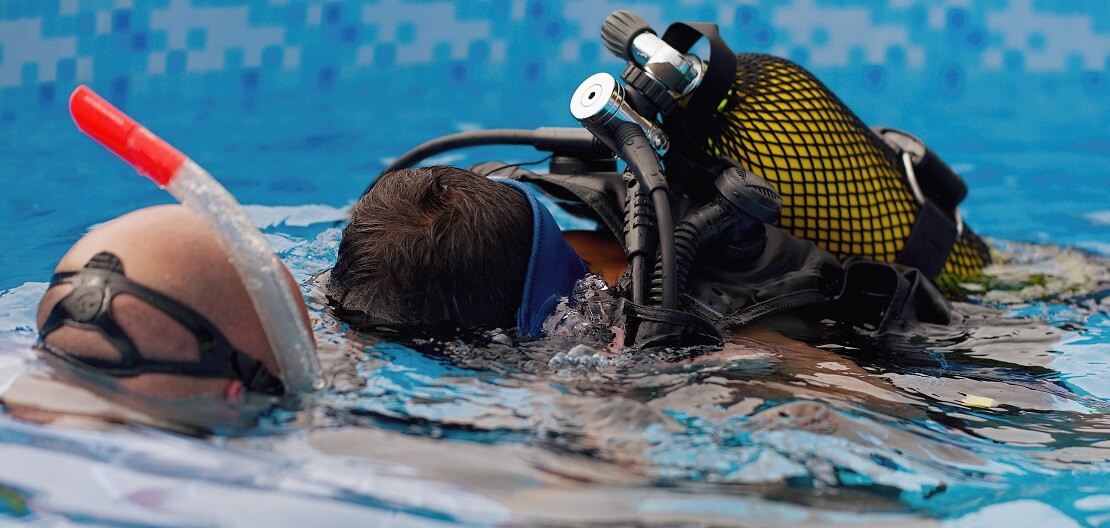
<point>553,267</point>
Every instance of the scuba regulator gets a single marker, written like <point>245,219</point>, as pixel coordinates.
<point>717,148</point>
<point>624,118</point>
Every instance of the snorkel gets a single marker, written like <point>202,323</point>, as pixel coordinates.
<point>259,268</point>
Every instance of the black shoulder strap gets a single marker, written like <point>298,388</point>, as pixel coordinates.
<point>602,193</point>
<point>653,326</point>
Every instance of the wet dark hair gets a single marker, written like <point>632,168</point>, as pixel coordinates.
<point>432,245</point>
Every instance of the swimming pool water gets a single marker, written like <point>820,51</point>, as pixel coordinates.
<point>472,432</point>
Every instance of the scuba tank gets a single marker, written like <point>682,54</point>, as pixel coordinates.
<point>880,195</point>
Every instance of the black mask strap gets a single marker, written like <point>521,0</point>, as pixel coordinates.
<point>89,307</point>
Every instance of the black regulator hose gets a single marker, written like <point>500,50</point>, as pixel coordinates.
<point>669,278</point>
<point>696,229</point>
<point>640,237</point>
<point>743,198</point>
<point>565,141</point>
<point>640,156</point>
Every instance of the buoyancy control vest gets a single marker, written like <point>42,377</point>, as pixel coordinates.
<point>727,289</point>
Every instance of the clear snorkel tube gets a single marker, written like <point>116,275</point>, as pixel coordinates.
<point>259,268</point>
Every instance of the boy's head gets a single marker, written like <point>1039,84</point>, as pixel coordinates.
<point>442,244</point>
<point>152,299</point>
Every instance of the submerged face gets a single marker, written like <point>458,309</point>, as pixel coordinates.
<point>152,300</point>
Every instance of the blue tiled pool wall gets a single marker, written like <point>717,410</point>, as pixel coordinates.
<point>1025,66</point>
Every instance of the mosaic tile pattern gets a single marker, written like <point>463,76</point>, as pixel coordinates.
<point>132,48</point>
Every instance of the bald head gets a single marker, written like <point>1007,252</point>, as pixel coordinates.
<point>170,250</point>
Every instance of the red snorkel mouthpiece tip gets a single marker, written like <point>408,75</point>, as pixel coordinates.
<point>149,154</point>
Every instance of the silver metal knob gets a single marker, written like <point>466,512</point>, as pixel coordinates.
<point>599,104</point>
